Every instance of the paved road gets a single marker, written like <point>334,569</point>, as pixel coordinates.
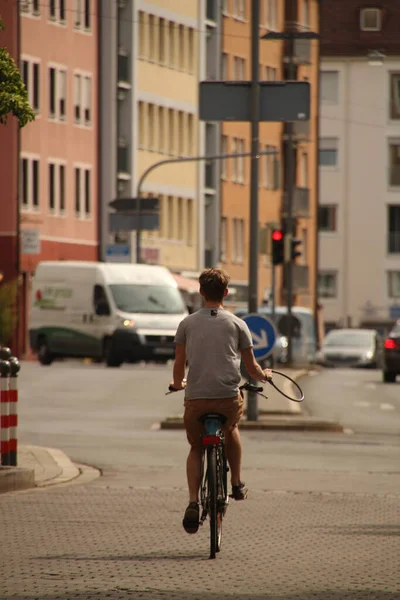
<point>357,398</point>
<point>321,521</point>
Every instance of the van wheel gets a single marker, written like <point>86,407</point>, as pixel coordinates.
<point>44,355</point>
<point>110,356</point>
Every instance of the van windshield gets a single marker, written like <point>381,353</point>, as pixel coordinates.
<point>134,298</point>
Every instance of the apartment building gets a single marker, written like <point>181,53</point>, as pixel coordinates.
<point>56,190</point>
<point>150,71</point>
<point>359,150</point>
<point>234,227</point>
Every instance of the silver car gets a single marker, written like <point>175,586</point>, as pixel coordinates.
<point>351,348</point>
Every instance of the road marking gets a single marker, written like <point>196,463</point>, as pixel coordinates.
<point>362,403</point>
<point>155,427</point>
<point>348,431</point>
<point>370,386</point>
<point>386,406</point>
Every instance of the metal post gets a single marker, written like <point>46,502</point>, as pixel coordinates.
<point>289,190</point>
<point>273,286</point>
<point>13,409</point>
<point>4,412</point>
<point>252,409</point>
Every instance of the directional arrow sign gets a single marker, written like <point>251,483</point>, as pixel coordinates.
<point>263,333</point>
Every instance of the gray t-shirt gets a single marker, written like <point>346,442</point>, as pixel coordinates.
<point>213,338</point>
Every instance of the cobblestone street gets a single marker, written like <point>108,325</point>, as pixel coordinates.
<point>93,542</point>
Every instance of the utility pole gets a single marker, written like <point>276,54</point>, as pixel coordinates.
<point>252,411</point>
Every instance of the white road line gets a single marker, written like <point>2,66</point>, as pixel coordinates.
<point>386,406</point>
<point>362,403</point>
<point>348,431</point>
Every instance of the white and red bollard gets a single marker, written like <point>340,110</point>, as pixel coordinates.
<point>13,410</point>
<point>5,370</point>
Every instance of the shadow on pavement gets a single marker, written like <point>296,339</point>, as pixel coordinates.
<point>123,593</point>
<point>385,530</point>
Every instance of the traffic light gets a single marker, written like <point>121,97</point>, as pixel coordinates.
<point>295,250</point>
<point>277,247</point>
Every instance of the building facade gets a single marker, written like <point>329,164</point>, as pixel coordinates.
<point>359,150</point>
<point>294,15</point>
<point>151,65</point>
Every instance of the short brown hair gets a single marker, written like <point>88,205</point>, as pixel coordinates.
<point>213,283</point>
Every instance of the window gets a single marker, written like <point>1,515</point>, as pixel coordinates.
<point>327,218</point>
<point>271,14</point>
<point>57,11</point>
<point>83,99</point>
<point>271,73</point>
<point>394,163</point>
<point>270,160</point>
<point>30,7</point>
<point>370,19</point>
<point>57,93</point>
<point>189,221</point>
<point>30,183</point>
<point>239,68</point>
<point>328,152</point>
<point>237,240</point>
<point>224,161</point>
<point>56,193</point>
<point>224,67</point>
<point>327,283</point>
<point>83,192</point>
<point>82,15</point>
<point>172,45</point>
<point>239,9</point>
<point>181,47</point>
<point>222,247</point>
<point>238,161</point>
<point>306,13</point>
<point>393,278</point>
<point>225,7</point>
<point>30,71</point>
<point>394,229</point>
<point>394,108</point>
<point>304,170</point>
<point>329,87</point>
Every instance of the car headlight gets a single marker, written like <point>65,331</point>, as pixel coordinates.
<point>369,354</point>
<point>127,322</point>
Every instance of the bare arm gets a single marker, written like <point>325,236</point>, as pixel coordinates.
<point>179,366</point>
<point>253,368</point>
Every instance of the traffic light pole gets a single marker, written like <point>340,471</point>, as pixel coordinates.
<point>289,221</point>
<point>252,408</point>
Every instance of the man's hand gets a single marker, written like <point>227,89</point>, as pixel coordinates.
<point>268,374</point>
<point>178,385</point>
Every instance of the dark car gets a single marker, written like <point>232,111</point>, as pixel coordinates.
<point>391,355</point>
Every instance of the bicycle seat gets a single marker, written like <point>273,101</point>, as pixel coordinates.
<point>221,418</point>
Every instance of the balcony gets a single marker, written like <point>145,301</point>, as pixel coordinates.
<point>301,203</point>
<point>301,52</point>
<point>123,159</point>
<point>394,242</point>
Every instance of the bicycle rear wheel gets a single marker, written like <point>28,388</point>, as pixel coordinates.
<point>215,517</point>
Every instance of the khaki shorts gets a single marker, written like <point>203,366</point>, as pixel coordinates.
<point>232,408</point>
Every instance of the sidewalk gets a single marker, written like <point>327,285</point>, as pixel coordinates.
<point>275,412</point>
<point>40,467</point>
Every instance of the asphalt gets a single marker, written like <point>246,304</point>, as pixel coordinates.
<point>40,466</point>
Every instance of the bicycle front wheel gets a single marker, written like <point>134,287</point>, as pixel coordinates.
<point>215,517</point>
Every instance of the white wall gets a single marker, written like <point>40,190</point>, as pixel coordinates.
<point>359,187</point>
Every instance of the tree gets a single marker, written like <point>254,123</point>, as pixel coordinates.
<point>13,94</point>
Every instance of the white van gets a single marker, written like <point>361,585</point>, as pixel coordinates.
<point>105,311</point>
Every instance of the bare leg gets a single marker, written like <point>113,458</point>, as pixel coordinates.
<point>233,448</point>
<point>193,472</point>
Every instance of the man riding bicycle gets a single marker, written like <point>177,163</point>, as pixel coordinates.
<point>212,342</point>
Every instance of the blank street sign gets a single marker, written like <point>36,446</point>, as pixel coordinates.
<point>231,101</point>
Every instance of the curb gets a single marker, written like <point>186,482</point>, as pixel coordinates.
<point>13,479</point>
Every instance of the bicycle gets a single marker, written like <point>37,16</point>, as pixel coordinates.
<point>214,497</point>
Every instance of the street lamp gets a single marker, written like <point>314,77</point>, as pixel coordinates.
<point>376,58</point>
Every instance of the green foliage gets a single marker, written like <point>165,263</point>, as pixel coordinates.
<point>8,311</point>
<point>13,94</point>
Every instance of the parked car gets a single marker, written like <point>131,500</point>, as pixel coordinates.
<point>351,348</point>
<point>391,355</point>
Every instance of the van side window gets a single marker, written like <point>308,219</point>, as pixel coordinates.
<point>100,301</point>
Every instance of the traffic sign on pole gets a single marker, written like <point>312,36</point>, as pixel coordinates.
<point>263,333</point>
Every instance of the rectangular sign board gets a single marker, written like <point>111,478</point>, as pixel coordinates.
<point>231,101</point>
<point>30,241</point>
<point>128,221</point>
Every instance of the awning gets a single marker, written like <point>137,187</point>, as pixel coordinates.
<point>191,286</point>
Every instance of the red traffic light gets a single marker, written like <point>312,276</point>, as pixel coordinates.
<point>277,235</point>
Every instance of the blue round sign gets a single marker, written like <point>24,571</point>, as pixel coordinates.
<point>263,333</point>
